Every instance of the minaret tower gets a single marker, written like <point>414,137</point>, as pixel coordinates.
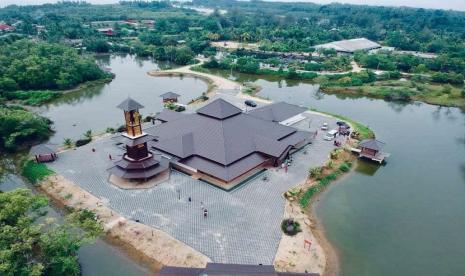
<point>137,162</point>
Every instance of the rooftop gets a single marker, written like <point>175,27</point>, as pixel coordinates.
<point>130,104</point>
<point>372,144</point>
<point>41,150</point>
<point>277,112</point>
<point>222,140</point>
<point>350,45</point>
<point>169,95</point>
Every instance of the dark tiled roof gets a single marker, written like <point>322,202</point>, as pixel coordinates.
<point>277,112</point>
<point>298,137</point>
<point>41,150</point>
<point>139,170</point>
<point>130,104</point>
<point>217,269</point>
<point>222,141</point>
<point>168,115</point>
<point>170,95</point>
<point>372,144</point>
<point>226,173</point>
<point>219,109</point>
<point>225,147</point>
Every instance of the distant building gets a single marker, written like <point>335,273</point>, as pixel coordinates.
<point>106,31</point>
<point>6,28</point>
<point>170,97</point>
<point>350,46</point>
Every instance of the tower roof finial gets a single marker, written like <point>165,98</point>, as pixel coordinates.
<point>129,105</point>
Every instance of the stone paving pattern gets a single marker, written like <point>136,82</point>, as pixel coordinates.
<point>243,225</point>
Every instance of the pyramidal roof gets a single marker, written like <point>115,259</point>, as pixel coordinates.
<point>219,109</point>
<point>169,95</point>
<point>372,144</point>
<point>129,104</point>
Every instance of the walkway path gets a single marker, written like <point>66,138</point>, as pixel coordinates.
<point>219,83</point>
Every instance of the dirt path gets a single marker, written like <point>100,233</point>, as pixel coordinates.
<point>218,83</point>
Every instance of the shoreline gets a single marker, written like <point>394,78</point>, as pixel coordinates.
<point>146,245</point>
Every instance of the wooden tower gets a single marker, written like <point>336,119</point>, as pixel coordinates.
<point>138,162</point>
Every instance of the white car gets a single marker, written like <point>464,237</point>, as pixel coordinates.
<point>324,126</point>
<point>330,135</point>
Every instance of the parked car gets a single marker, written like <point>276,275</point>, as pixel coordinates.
<point>250,103</point>
<point>330,135</point>
<point>324,126</point>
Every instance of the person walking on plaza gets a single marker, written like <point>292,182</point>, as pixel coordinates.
<point>205,213</point>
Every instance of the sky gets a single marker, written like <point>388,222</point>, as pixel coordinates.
<point>434,4</point>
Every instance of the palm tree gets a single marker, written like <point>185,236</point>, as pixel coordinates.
<point>68,143</point>
<point>245,37</point>
<point>88,134</point>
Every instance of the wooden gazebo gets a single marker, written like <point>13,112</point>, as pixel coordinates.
<point>170,97</point>
<point>43,153</point>
<point>372,149</point>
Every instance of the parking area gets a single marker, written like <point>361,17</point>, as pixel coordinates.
<point>243,225</point>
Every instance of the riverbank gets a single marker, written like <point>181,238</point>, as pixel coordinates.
<point>215,83</point>
<point>146,244</point>
<point>405,91</point>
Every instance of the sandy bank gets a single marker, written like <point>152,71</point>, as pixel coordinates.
<point>147,244</point>
<point>215,83</point>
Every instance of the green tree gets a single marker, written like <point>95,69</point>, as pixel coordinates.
<point>19,127</point>
<point>68,143</point>
<point>88,134</point>
<point>30,248</point>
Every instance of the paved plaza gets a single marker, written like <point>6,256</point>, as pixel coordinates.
<point>243,225</point>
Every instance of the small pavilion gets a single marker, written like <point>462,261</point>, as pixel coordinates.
<point>372,149</point>
<point>170,97</point>
<point>42,153</point>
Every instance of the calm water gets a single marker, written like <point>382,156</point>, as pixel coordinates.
<point>405,218</point>
<point>95,108</point>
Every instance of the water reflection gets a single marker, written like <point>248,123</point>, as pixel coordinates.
<point>367,168</point>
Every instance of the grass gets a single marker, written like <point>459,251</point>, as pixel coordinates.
<point>35,172</point>
<point>364,131</point>
<point>323,182</point>
<point>34,98</point>
<point>407,90</point>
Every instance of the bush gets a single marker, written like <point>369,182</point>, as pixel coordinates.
<point>345,167</point>
<point>35,172</point>
<point>290,227</point>
<point>82,142</point>
<point>315,172</point>
<point>110,130</point>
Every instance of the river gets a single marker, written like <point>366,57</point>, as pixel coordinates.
<point>404,218</point>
